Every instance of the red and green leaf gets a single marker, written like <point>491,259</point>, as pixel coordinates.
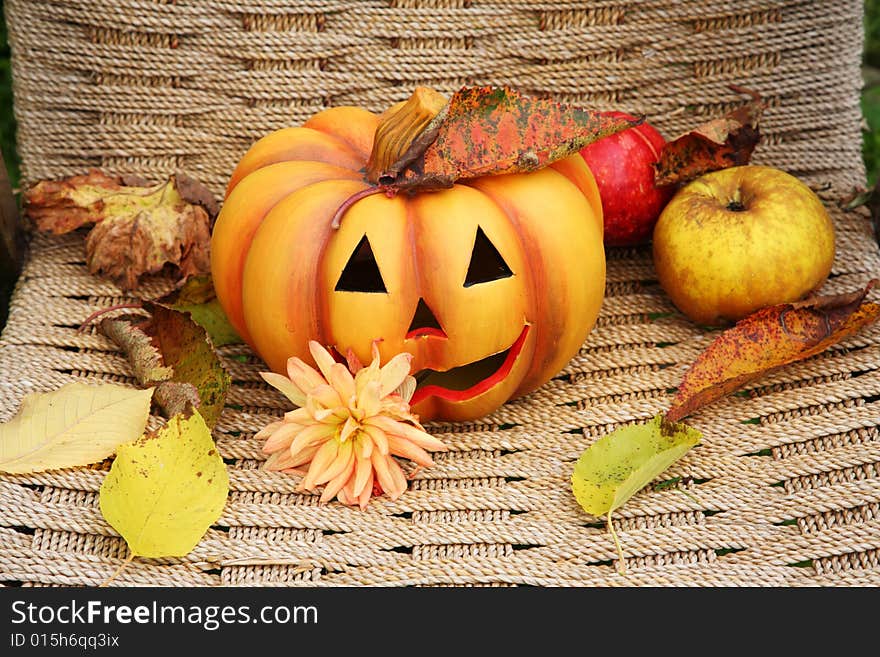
<point>486,131</point>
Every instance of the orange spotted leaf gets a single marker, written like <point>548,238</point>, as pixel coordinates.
<point>768,339</point>
<point>724,142</point>
<point>484,131</point>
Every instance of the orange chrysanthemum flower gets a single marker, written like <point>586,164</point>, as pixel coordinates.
<point>350,423</point>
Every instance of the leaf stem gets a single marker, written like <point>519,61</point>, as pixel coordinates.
<point>691,496</point>
<point>621,561</point>
<point>115,574</point>
<point>91,318</point>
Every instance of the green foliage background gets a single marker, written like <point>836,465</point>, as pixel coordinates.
<point>870,109</point>
<point>871,91</point>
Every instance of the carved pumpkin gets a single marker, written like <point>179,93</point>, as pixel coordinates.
<point>492,285</point>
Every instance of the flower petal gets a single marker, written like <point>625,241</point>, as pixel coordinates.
<point>287,387</point>
<point>377,436</point>
<point>406,389</point>
<point>389,474</point>
<point>268,430</point>
<point>324,457</point>
<point>399,479</point>
<point>342,381</point>
<point>409,450</point>
<point>354,363</point>
<point>363,446</point>
<point>344,458</point>
<point>419,436</point>
<point>351,426</point>
<point>343,498</point>
<point>298,416</point>
<point>383,472</point>
<point>278,461</point>
<point>362,470</point>
<point>303,376</point>
<point>281,438</point>
<point>311,435</point>
<point>335,485</point>
<point>364,497</point>
<point>322,357</point>
<point>395,372</point>
<point>369,400</point>
<point>326,396</point>
<point>305,456</point>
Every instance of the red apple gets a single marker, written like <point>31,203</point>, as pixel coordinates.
<point>623,167</point>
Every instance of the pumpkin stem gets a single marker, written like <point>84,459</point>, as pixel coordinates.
<point>398,129</point>
<point>354,198</point>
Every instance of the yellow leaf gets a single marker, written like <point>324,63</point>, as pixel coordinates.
<point>619,465</point>
<point>75,425</point>
<point>166,488</point>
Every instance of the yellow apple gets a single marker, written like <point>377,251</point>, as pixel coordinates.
<point>739,239</point>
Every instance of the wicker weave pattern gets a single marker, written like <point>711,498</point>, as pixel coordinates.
<point>786,488</point>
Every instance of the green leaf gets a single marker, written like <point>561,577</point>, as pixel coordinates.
<point>77,424</point>
<point>618,465</point>
<point>165,489</point>
<point>197,297</point>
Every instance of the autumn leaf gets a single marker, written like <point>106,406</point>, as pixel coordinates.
<point>720,143</point>
<point>768,339</point>
<point>143,356</point>
<point>426,143</point>
<point>60,206</point>
<point>197,297</point>
<point>174,354</point>
<point>620,464</point>
<point>188,349</point>
<point>165,489</point>
<point>485,131</point>
<point>76,425</point>
<point>139,228</point>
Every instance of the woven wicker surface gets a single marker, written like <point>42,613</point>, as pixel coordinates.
<point>785,489</point>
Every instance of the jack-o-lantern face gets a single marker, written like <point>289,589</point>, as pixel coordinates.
<point>491,286</point>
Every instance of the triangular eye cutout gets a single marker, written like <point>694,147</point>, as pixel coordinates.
<point>486,263</point>
<point>361,272</point>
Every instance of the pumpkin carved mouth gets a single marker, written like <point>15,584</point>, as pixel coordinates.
<point>467,381</point>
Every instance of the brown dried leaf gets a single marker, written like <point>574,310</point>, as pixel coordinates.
<point>175,397</point>
<point>60,206</point>
<point>175,354</point>
<point>192,191</point>
<point>139,229</point>
<point>144,358</point>
<point>723,142</point>
<point>768,339</point>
